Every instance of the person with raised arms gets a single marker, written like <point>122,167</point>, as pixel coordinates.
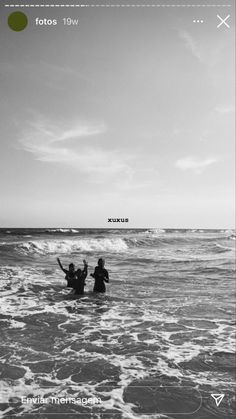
<point>80,276</point>
<point>70,273</point>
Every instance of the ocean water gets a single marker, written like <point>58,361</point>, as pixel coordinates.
<point>156,345</point>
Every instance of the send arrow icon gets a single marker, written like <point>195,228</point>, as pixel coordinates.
<point>218,398</point>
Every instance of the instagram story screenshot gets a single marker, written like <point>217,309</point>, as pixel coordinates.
<point>117,212</point>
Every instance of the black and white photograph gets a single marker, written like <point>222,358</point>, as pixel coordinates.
<point>117,213</point>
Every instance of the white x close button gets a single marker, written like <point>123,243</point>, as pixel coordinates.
<point>223,21</point>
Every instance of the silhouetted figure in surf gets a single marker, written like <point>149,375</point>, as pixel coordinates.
<point>79,281</point>
<point>101,276</point>
<point>70,273</point>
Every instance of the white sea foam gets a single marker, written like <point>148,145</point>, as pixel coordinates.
<point>62,230</point>
<point>70,246</point>
<point>153,317</point>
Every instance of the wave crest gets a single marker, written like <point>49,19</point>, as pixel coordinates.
<point>61,230</point>
<point>71,246</point>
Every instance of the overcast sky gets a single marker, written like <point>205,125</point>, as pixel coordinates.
<point>130,114</point>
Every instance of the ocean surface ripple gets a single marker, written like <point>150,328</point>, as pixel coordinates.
<point>162,339</point>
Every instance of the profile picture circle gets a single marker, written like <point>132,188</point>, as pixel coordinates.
<point>17,21</point>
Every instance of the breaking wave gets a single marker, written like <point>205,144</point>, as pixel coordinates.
<point>62,230</point>
<point>71,246</point>
<point>212,242</point>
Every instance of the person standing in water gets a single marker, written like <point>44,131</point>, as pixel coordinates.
<point>70,273</point>
<point>79,281</point>
<point>101,276</point>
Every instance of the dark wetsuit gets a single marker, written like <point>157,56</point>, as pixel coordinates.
<point>100,275</point>
<point>79,281</point>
